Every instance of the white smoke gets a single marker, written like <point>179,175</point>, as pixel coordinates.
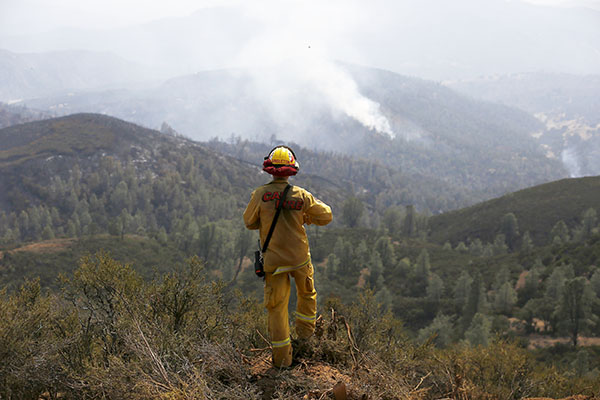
<point>295,44</point>
<point>571,162</point>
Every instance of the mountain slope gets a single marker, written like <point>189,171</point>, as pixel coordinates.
<point>567,105</point>
<point>43,74</point>
<point>537,210</point>
<point>476,147</point>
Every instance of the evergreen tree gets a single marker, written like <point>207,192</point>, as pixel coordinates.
<point>526,243</point>
<point>243,242</point>
<point>352,211</point>
<point>500,246</point>
<point>384,247</point>
<point>392,219</point>
<point>440,330</point>
<point>409,227</point>
<point>479,330</point>
<point>435,288</point>
<point>333,266</point>
<point>476,247</point>
<point>574,309</point>
<point>384,297</point>
<point>554,285</point>
<point>462,290</point>
<point>589,221</point>
<point>476,302</point>
<point>47,233</point>
<point>505,299</point>
<point>510,230</point>
<point>421,274</point>
<point>532,284</point>
<point>595,282</point>
<point>502,276</point>
<point>375,269</point>
<point>461,247</point>
<point>362,254</point>
<point>560,231</point>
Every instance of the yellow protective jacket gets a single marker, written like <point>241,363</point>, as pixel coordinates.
<point>288,248</point>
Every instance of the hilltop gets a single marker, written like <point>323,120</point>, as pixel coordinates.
<point>537,210</point>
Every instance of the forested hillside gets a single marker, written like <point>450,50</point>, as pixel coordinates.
<point>539,210</point>
<point>501,279</point>
<point>479,148</point>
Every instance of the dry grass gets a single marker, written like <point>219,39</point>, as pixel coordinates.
<point>44,247</point>
<point>538,341</point>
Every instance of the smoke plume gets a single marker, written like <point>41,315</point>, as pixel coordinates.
<point>294,45</point>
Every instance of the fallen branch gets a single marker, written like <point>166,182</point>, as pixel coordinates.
<point>263,338</point>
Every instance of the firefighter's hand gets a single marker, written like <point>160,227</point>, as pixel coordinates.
<point>307,219</point>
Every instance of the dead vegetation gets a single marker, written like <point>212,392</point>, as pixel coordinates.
<point>111,335</point>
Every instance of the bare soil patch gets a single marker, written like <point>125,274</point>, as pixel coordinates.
<point>538,341</point>
<point>46,246</point>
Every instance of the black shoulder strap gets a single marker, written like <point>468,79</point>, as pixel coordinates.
<point>272,228</point>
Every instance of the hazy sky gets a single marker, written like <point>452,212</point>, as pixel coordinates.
<point>34,16</point>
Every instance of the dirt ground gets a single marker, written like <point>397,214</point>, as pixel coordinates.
<point>317,378</point>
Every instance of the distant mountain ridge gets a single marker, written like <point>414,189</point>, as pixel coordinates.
<point>45,74</point>
<point>479,147</point>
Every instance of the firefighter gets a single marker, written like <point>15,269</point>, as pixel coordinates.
<point>288,252</point>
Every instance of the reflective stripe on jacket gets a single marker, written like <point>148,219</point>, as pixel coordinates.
<point>288,248</point>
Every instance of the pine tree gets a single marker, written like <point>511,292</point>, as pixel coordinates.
<point>595,282</point>
<point>500,246</point>
<point>574,308</point>
<point>421,274</point>
<point>375,268</point>
<point>352,211</point>
<point>461,247</point>
<point>47,233</point>
<point>505,298</point>
<point>384,247</point>
<point>476,302</point>
<point>560,231</point>
<point>333,266</point>
<point>462,290</point>
<point>435,288</point>
<point>526,243</point>
<point>392,219</point>
<point>384,297</point>
<point>440,329</point>
<point>510,230</point>
<point>501,278</point>
<point>479,330</point>
<point>589,221</point>
<point>409,227</point>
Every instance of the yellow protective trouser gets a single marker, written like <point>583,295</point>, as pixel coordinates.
<point>277,295</point>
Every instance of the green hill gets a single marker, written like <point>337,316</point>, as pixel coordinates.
<point>537,210</point>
